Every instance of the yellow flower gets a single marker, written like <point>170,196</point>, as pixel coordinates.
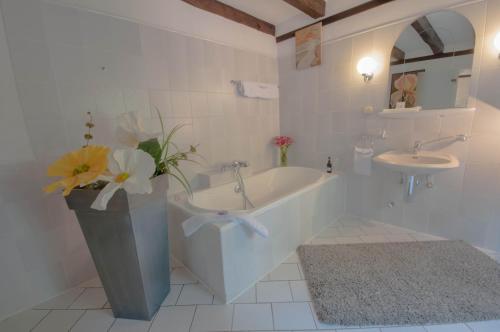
<point>78,168</point>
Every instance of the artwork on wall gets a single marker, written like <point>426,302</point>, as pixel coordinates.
<point>308,46</point>
<point>404,88</point>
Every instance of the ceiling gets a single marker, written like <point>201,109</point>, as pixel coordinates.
<point>284,16</point>
<point>272,11</point>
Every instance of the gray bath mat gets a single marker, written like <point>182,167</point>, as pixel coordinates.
<point>401,283</point>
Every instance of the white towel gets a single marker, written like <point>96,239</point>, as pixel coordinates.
<point>363,160</point>
<point>257,90</point>
<point>191,225</point>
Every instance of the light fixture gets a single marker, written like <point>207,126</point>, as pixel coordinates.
<point>496,42</point>
<point>366,67</point>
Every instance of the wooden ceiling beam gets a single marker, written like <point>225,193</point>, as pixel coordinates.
<point>233,14</point>
<point>337,17</point>
<point>397,54</point>
<point>313,8</point>
<point>426,31</point>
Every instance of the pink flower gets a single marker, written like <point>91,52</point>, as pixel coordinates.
<point>283,141</point>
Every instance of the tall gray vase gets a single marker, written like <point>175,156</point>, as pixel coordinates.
<point>129,245</point>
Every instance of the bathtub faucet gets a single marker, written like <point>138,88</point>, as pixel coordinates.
<point>234,165</point>
<point>240,184</point>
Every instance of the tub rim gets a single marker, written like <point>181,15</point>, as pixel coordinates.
<point>185,204</point>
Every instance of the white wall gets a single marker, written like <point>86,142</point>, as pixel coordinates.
<point>321,108</point>
<point>178,16</point>
<point>68,61</point>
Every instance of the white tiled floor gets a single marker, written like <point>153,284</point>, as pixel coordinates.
<point>280,302</point>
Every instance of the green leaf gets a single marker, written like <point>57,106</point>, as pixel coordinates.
<point>153,148</point>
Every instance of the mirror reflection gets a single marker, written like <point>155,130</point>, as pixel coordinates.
<point>431,62</point>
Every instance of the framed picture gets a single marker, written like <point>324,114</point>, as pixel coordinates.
<point>404,88</point>
<point>308,46</point>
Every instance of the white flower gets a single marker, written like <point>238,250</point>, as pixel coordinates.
<point>131,170</point>
<point>131,130</point>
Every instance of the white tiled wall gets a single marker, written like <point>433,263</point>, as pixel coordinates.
<point>322,108</point>
<point>68,61</point>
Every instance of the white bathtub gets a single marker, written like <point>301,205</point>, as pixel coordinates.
<point>294,203</point>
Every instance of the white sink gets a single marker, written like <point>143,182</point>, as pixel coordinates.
<point>421,163</point>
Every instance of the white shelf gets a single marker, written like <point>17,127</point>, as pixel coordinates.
<point>426,113</point>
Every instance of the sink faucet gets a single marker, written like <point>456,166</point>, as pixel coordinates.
<point>418,145</point>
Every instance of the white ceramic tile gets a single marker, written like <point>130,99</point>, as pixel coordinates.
<point>489,326</point>
<point>248,297</point>
<point>348,239</point>
<point>173,319</point>
<point>292,316</point>
<point>447,328</point>
<point>285,272</point>
<point>182,276</point>
<point>252,317</point>
<point>403,329</point>
<point>293,258</point>
<point>95,321</point>
<point>59,321</point>
<point>324,240</point>
<point>399,238</point>
<point>160,99</point>
<point>130,325</point>
<point>300,292</point>
<point>426,237</point>
<point>23,321</point>
<point>181,105</point>
<point>194,294</point>
<point>91,298</point>
<point>172,297</point>
<point>323,326</point>
<point>359,330</point>
<point>95,282</point>
<point>212,318</point>
<point>62,301</point>
<point>273,291</point>
<point>373,238</point>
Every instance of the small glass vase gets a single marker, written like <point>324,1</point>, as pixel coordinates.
<point>283,156</point>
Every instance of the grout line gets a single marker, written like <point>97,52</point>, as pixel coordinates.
<point>232,316</point>
<point>194,315</point>
<point>272,317</point>
<point>313,315</point>
<point>76,322</point>
<point>470,328</point>
<point>76,298</point>
<point>179,296</point>
<point>291,291</point>
<point>111,326</point>
<point>153,319</point>
<point>41,319</point>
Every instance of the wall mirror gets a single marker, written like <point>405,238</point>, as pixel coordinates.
<point>431,62</point>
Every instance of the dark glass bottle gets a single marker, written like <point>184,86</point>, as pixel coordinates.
<point>329,167</point>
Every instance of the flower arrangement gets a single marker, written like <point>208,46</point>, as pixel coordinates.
<point>283,142</point>
<point>131,168</point>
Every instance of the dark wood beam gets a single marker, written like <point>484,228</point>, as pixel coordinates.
<point>313,8</point>
<point>433,56</point>
<point>397,54</point>
<point>339,16</point>
<point>426,31</point>
<point>233,14</point>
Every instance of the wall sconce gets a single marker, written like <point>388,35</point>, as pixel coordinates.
<point>366,67</point>
<point>496,42</point>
